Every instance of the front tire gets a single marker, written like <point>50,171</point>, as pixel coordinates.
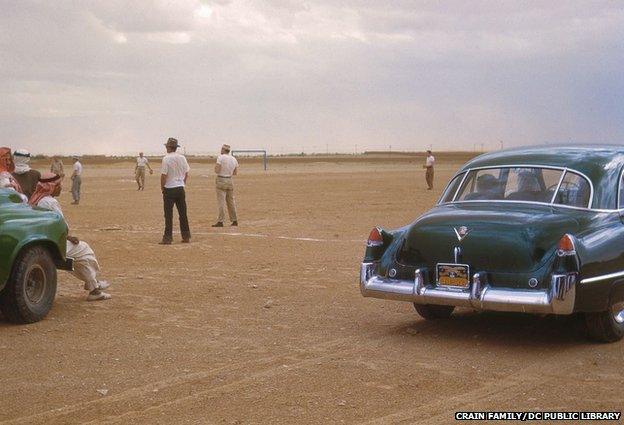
<point>30,290</point>
<point>606,326</point>
<point>433,312</point>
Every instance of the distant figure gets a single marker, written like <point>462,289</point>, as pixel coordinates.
<point>86,265</point>
<point>76,179</point>
<point>139,170</point>
<point>226,167</point>
<point>56,167</point>
<point>173,177</point>
<point>25,176</point>
<point>429,163</point>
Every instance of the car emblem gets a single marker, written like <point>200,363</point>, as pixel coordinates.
<point>461,233</point>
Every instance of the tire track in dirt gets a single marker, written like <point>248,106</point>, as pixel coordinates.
<point>140,400</point>
<point>443,410</point>
<point>135,395</point>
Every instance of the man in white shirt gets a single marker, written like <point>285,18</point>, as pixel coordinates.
<point>139,170</point>
<point>225,169</point>
<point>429,162</point>
<point>76,179</point>
<point>173,177</point>
<point>86,266</point>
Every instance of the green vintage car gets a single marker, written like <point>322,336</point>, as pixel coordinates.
<point>32,247</point>
<point>533,230</point>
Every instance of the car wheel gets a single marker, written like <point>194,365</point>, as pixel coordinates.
<point>30,290</point>
<point>432,312</point>
<point>606,326</point>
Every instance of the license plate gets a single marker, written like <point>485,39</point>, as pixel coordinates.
<point>453,275</point>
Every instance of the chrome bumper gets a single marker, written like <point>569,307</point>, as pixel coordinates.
<point>558,299</point>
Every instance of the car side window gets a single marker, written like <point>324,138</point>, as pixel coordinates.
<point>574,191</point>
<point>449,193</point>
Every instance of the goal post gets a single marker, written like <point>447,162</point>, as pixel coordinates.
<point>265,160</point>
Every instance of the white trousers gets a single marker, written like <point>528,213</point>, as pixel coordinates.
<point>85,264</point>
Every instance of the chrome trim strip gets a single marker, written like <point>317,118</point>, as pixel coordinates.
<point>598,210</point>
<point>552,200</point>
<point>602,277</point>
<point>619,188</point>
<point>461,184</point>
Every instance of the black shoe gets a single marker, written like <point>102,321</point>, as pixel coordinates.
<point>218,224</point>
<point>164,242</point>
<point>235,223</point>
<point>186,240</point>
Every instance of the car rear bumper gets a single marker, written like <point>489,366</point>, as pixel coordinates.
<point>557,299</point>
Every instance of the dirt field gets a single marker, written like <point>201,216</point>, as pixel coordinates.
<point>264,323</point>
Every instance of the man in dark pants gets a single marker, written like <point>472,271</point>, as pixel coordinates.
<point>173,177</point>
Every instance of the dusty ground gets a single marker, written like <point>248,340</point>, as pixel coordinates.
<point>265,323</point>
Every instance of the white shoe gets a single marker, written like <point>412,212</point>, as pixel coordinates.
<point>103,284</point>
<point>98,295</point>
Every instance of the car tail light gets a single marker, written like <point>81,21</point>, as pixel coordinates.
<point>565,246</point>
<point>375,238</point>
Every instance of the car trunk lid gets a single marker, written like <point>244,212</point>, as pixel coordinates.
<point>512,238</point>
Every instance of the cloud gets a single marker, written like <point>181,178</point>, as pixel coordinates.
<point>290,75</point>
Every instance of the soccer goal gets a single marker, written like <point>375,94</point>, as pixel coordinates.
<point>265,158</point>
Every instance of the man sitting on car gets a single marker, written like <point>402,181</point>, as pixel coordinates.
<point>85,263</point>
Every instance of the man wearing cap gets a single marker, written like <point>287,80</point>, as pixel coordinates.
<point>225,169</point>
<point>173,176</point>
<point>76,179</point>
<point>139,170</point>
<point>25,176</point>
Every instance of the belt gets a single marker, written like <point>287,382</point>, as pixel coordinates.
<point>225,177</point>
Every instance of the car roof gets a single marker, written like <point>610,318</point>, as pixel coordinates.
<point>602,164</point>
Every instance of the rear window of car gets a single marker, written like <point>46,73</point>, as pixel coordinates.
<point>510,184</point>
<point>525,184</point>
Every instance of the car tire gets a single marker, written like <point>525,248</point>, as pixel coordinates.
<point>433,312</point>
<point>606,326</point>
<point>31,288</point>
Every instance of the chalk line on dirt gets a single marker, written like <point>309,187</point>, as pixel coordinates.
<point>246,235</point>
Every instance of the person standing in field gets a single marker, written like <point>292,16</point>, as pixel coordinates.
<point>225,168</point>
<point>429,163</point>
<point>56,167</point>
<point>23,174</point>
<point>139,171</point>
<point>76,179</point>
<point>173,176</point>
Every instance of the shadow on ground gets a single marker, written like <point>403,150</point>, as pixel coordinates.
<point>501,329</point>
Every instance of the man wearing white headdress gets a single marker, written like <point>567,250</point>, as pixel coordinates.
<point>25,176</point>
<point>86,265</point>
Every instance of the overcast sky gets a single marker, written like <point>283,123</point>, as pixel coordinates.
<point>117,76</point>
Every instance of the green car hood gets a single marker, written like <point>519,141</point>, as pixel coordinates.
<point>507,238</point>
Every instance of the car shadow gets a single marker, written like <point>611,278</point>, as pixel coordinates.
<point>496,329</point>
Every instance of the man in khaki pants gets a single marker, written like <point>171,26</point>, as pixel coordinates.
<point>430,161</point>
<point>225,169</point>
